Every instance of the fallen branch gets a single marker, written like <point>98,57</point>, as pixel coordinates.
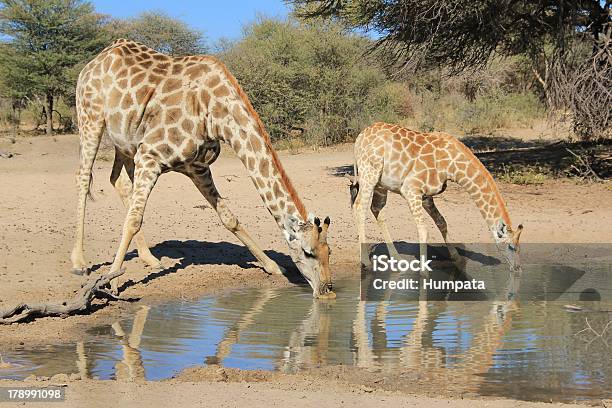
<point>583,168</point>
<point>81,302</point>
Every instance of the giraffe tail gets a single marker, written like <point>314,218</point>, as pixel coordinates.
<point>89,193</point>
<point>354,186</point>
<point>90,185</point>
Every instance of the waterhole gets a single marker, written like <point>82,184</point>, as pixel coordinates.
<point>535,350</point>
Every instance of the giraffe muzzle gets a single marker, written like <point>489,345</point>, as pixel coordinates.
<point>326,292</point>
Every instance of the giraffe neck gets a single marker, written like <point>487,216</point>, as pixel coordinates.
<point>481,187</point>
<point>253,146</point>
<point>270,180</point>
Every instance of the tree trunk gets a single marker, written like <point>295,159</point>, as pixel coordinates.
<point>14,118</point>
<point>49,112</point>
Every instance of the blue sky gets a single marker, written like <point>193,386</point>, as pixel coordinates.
<point>217,19</point>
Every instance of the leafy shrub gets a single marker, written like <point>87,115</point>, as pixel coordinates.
<point>523,176</point>
<point>312,78</point>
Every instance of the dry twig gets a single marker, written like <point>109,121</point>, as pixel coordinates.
<point>582,168</point>
<point>81,302</point>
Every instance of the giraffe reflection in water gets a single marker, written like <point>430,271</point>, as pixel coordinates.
<point>130,367</point>
<point>502,348</point>
<point>314,340</point>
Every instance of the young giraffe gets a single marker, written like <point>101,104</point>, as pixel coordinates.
<point>170,114</point>
<point>418,166</point>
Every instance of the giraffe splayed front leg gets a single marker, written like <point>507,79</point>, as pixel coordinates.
<point>123,183</point>
<point>415,203</point>
<point>204,182</point>
<point>379,200</point>
<point>146,172</point>
<point>360,209</point>
<point>436,216</point>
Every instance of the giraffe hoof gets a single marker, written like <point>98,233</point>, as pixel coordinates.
<point>113,288</point>
<point>272,269</point>
<point>80,271</point>
<point>276,270</point>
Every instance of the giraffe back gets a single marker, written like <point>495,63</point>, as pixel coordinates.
<point>394,155</point>
<point>143,96</point>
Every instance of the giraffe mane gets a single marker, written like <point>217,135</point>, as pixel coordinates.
<point>299,205</point>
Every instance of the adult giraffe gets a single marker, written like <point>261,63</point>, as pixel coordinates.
<point>170,114</point>
<point>418,166</point>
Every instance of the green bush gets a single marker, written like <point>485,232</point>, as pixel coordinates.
<point>523,176</point>
<point>312,80</point>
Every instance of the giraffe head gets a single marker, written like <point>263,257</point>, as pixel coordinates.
<point>507,239</point>
<point>310,252</point>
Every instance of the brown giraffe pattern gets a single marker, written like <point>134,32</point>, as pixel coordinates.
<point>171,114</point>
<point>418,166</point>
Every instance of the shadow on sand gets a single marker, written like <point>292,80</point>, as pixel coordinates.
<point>193,252</point>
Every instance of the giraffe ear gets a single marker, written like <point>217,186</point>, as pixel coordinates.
<point>517,234</point>
<point>323,232</point>
<point>316,230</point>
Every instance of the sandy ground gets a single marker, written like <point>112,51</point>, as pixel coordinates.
<point>295,393</point>
<point>37,215</point>
<point>221,387</point>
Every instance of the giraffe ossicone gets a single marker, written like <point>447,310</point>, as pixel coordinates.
<point>418,166</point>
<point>167,113</point>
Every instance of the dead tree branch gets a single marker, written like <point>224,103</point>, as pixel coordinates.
<point>582,167</point>
<point>81,302</point>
